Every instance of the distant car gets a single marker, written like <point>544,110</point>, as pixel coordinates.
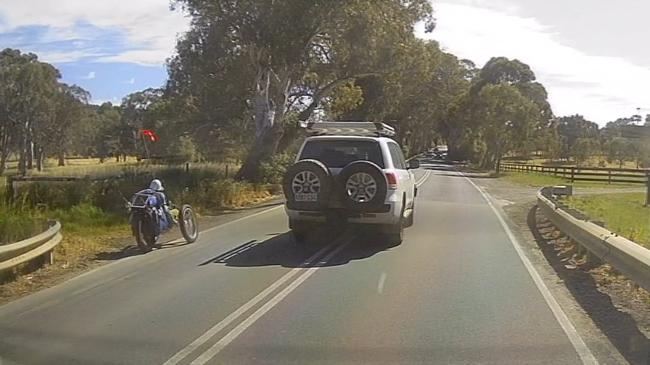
<point>352,172</point>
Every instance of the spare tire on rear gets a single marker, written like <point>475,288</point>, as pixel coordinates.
<point>307,185</point>
<point>362,186</point>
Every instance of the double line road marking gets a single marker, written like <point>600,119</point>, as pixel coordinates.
<point>301,273</point>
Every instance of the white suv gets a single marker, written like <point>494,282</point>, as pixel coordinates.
<point>356,175</point>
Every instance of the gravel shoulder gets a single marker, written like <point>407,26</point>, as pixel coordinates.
<point>611,313</point>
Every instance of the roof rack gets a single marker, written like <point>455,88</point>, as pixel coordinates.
<point>365,129</point>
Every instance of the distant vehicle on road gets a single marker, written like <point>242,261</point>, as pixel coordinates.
<point>351,172</point>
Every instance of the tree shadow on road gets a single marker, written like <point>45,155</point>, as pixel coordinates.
<point>283,250</point>
<point>619,327</point>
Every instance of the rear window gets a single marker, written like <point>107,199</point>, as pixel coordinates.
<point>340,153</point>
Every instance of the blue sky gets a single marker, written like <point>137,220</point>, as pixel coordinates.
<point>110,48</point>
<point>589,54</point>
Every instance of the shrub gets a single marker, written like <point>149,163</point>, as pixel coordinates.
<point>273,171</point>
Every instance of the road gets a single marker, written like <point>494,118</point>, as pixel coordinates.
<point>455,291</point>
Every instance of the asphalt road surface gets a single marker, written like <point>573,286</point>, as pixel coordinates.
<point>455,291</point>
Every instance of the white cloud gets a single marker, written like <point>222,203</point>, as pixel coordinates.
<point>601,88</point>
<point>149,25</point>
<point>91,75</point>
<point>130,81</point>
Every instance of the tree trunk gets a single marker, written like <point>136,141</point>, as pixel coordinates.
<point>61,157</point>
<point>39,159</point>
<point>268,128</point>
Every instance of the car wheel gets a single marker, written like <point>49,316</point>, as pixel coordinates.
<point>299,231</point>
<point>362,186</point>
<point>395,233</point>
<point>307,185</point>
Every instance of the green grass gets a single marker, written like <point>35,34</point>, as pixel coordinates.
<point>539,180</point>
<point>622,213</point>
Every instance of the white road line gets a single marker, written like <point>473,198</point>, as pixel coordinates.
<point>569,329</point>
<point>183,353</point>
<point>235,332</point>
<point>423,179</point>
<point>382,281</point>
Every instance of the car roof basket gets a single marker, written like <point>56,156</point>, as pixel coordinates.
<point>365,129</point>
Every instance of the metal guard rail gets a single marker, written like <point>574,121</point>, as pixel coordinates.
<point>631,259</point>
<point>21,252</point>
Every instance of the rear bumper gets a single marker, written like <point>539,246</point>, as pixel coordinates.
<point>387,214</point>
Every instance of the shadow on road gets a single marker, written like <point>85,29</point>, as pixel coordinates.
<point>619,327</point>
<point>133,250</point>
<point>283,250</point>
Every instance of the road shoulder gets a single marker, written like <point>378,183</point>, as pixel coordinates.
<point>516,202</point>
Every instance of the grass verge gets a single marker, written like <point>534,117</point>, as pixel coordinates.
<point>623,214</point>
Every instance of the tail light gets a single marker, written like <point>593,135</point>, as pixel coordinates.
<point>391,177</point>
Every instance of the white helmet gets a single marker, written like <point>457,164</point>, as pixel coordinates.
<point>156,185</point>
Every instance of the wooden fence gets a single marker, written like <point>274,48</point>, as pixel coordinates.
<point>597,174</point>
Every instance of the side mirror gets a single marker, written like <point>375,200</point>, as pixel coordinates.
<point>414,164</point>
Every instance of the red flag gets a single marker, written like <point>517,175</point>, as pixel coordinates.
<point>150,134</point>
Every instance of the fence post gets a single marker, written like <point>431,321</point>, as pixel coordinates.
<point>573,174</point>
<point>187,167</point>
<point>609,177</point>
<point>226,175</point>
<point>647,183</point>
<point>9,190</point>
<point>555,171</point>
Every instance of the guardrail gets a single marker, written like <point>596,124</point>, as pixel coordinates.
<point>39,246</point>
<point>599,174</point>
<point>631,259</point>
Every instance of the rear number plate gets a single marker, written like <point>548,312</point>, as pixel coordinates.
<point>302,197</point>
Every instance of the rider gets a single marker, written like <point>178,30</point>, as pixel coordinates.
<point>157,189</point>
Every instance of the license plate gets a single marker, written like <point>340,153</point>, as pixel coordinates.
<point>303,197</point>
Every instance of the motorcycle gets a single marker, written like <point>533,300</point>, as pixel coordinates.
<point>148,220</point>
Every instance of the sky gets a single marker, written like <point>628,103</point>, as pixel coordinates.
<point>589,54</point>
<point>110,48</point>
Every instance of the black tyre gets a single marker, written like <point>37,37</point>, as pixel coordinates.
<point>143,231</point>
<point>300,230</point>
<point>395,233</point>
<point>408,222</point>
<point>362,186</point>
<point>307,185</point>
<point>187,222</point>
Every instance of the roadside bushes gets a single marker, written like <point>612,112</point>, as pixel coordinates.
<point>17,225</point>
<point>273,170</point>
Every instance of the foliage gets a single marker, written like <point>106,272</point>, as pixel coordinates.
<point>273,170</point>
<point>285,56</point>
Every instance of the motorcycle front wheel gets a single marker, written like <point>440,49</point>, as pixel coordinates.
<point>187,222</point>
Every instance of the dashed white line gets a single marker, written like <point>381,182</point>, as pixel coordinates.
<point>382,281</point>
